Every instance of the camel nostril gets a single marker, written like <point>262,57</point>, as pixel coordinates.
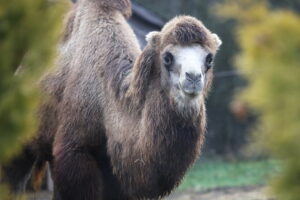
<point>191,85</point>
<point>193,77</point>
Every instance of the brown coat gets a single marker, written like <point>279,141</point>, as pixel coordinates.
<point>115,130</point>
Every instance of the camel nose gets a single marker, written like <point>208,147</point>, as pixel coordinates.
<point>193,78</point>
<point>192,84</point>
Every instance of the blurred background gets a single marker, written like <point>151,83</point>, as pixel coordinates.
<point>252,148</point>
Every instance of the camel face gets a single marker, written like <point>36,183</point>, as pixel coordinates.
<point>188,67</point>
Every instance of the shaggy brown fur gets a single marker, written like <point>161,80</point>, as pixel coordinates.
<point>69,24</point>
<point>115,131</point>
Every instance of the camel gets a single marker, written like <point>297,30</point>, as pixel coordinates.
<point>121,122</point>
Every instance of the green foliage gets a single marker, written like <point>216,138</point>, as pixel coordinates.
<point>270,49</point>
<point>217,173</point>
<point>29,31</point>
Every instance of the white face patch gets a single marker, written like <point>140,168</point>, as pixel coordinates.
<point>187,75</point>
<point>192,61</point>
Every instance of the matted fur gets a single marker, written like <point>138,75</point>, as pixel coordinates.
<point>186,30</point>
<point>114,129</point>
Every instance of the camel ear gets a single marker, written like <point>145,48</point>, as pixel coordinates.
<point>153,38</point>
<point>217,40</point>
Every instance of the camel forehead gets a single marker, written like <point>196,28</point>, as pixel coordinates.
<point>189,55</point>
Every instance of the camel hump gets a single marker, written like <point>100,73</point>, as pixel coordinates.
<point>124,6</point>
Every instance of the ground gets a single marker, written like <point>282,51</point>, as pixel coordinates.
<point>219,180</point>
<point>240,193</point>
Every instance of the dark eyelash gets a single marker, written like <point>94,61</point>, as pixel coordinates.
<point>208,61</point>
<point>209,58</point>
<point>168,60</point>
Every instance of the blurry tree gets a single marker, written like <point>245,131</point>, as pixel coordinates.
<point>270,49</point>
<point>286,4</point>
<point>29,31</point>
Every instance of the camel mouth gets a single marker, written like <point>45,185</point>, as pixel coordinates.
<point>189,93</point>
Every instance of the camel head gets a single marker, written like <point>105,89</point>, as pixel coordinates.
<point>185,49</point>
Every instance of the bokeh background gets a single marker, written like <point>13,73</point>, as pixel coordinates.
<point>252,148</point>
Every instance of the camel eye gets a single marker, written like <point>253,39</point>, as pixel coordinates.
<point>168,59</point>
<point>208,61</point>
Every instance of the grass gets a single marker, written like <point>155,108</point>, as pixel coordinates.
<point>217,173</point>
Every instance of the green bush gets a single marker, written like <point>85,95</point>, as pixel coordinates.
<point>270,58</point>
<point>29,31</point>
